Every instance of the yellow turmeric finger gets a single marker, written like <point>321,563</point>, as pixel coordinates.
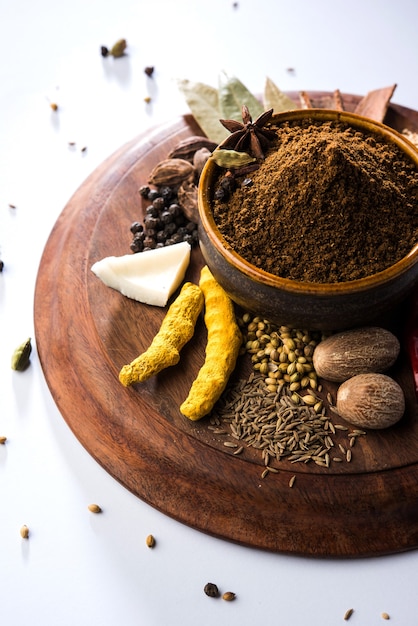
<point>223,344</point>
<point>176,330</point>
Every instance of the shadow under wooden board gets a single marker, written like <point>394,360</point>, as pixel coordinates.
<point>85,332</point>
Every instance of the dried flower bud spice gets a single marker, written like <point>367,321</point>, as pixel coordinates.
<point>229,596</point>
<point>94,508</point>
<point>211,590</point>
<point>24,532</point>
<point>150,541</point>
<point>21,356</point>
<point>3,440</point>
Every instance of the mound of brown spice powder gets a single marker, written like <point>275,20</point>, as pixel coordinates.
<point>328,204</point>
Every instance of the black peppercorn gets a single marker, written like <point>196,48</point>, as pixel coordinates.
<point>221,194</point>
<point>136,227</point>
<point>158,202</point>
<point>166,217</point>
<point>144,191</point>
<point>104,51</point>
<point>171,228</point>
<point>211,590</point>
<point>152,194</point>
<point>167,193</point>
<point>175,209</point>
<point>151,211</point>
<point>151,223</point>
<point>136,246</point>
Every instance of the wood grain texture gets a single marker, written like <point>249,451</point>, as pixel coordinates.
<point>85,332</point>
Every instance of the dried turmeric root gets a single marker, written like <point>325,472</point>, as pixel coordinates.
<point>176,330</point>
<point>223,345</point>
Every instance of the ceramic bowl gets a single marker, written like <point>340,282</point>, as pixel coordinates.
<point>325,306</point>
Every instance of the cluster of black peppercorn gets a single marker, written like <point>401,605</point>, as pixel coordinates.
<point>227,185</point>
<point>164,222</point>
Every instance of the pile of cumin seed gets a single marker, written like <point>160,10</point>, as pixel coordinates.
<point>282,430</point>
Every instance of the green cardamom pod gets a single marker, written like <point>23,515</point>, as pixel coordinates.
<point>231,158</point>
<point>118,49</point>
<point>21,356</point>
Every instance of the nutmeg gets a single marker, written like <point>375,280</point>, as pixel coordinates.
<point>372,400</point>
<point>357,351</point>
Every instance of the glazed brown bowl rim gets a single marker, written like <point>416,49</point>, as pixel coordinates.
<point>293,286</point>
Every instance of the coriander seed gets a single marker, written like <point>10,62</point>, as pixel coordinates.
<point>94,508</point>
<point>24,532</point>
<point>229,596</point>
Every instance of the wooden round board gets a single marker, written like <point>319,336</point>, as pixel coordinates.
<point>86,331</point>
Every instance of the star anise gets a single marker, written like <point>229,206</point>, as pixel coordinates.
<point>248,136</point>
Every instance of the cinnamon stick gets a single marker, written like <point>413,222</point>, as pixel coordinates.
<point>305,100</point>
<point>338,101</point>
<point>375,104</point>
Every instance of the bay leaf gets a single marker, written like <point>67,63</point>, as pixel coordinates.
<point>232,95</point>
<point>203,102</point>
<point>276,99</point>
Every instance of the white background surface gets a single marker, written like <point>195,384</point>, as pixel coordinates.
<point>78,569</point>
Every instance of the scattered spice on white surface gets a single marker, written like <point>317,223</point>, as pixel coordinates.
<point>24,532</point>
<point>348,614</point>
<point>21,356</point>
<point>94,508</point>
<point>385,615</point>
<point>3,439</point>
<point>118,48</point>
<point>150,541</point>
<point>211,590</point>
<point>229,596</point>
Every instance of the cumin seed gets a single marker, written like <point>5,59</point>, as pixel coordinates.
<point>348,614</point>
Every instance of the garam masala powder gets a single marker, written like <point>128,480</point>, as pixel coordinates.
<point>328,204</point>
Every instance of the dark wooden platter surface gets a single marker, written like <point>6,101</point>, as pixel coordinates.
<point>85,332</point>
